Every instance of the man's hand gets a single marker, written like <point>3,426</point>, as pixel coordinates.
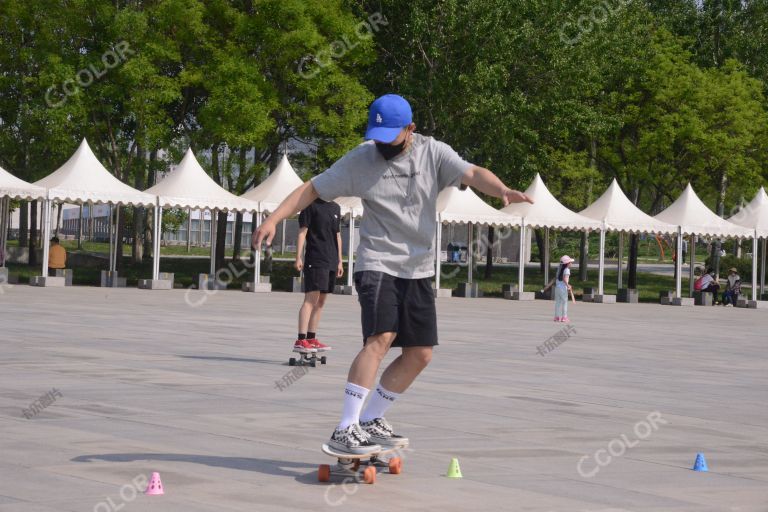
<point>488,183</point>
<point>515,196</point>
<point>299,264</point>
<point>340,270</point>
<point>266,232</point>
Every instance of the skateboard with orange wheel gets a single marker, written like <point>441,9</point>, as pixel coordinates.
<point>349,464</point>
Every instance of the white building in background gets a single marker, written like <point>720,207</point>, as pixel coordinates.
<point>197,228</point>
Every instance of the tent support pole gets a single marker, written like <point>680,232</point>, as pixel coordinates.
<point>111,237</point>
<point>620,261</point>
<point>256,252</point>
<point>678,263</point>
<point>189,229</point>
<point>438,251</point>
<point>46,234</point>
<point>156,226</point>
<point>350,248</point>
<point>214,225</point>
<point>4,223</point>
<point>80,229</point>
<point>282,238</point>
<point>754,266</point>
<point>762,270</point>
<point>470,250</point>
<point>521,258</point>
<point>692,251</point>
<point>546,256</point>
<point>601,262</point>
<point>117,237</point>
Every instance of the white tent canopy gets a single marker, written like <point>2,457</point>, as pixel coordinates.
<point>465,207</point>
<point>189,186</point>
<point>547,212</point>
<point>12,187</point>
<point>353,205</point>
<point>83,179</point>
<point>755,217</point>
<point>692,217</point>
<point>273,190</point>
<point>268,195</point>
<point>618,213</point>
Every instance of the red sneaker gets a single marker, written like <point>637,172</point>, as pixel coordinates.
<point>304,346</point>
<point>321,347</point>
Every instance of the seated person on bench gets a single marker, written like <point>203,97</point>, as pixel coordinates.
<point>57,257</point>
<point>707,283</point>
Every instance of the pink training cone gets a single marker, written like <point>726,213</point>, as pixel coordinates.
<point>155,487</point>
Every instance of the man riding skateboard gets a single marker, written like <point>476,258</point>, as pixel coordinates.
<point>398,174</point>
<point>319,226</point>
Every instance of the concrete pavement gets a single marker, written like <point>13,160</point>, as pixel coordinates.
<point>609,419</point>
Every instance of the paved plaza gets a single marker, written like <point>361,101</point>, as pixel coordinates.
<point>101,387</point>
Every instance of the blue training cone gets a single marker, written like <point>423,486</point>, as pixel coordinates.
<point>701,463</point>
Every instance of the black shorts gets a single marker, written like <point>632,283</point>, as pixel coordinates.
<point>394,304</point>
<point>319,279</point>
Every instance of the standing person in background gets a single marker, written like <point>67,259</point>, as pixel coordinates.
<point>562,287</point>
<point>732,287</point>
<point>319,229</point>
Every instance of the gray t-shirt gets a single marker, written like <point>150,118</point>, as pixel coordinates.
<point>399,196</point>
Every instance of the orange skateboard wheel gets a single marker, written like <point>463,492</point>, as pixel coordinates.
<point>324,473</point>
<point>395,465</point>
<point>369,475</point>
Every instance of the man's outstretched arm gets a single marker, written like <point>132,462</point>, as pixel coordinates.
<point>299,199</point>
<point>488,183</point>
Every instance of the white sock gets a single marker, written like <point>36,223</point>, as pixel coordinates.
<point>354,397</point>
<point>380,401</point>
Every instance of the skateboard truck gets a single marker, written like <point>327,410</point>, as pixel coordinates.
<point>350,466</point>
<point>306,359</point>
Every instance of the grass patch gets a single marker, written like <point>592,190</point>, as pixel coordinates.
<point>648,285</point>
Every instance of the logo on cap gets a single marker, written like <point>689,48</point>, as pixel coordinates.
<point>379,120</point>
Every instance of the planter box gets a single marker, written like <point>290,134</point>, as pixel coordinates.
<point>628,295</point>
<point>155,284</point>
<point>112,280</point>
<point>209,282</point>
<point>702,298</point>
<point>468,290</point>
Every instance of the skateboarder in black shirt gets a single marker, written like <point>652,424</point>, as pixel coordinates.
<point>319,226</point>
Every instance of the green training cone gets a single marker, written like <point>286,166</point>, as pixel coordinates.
<point>453,469</point>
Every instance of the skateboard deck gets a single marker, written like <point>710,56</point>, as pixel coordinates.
<point>348,464</point>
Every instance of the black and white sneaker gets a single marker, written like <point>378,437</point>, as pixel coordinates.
<point>353,440</point>
<point>381,432</point>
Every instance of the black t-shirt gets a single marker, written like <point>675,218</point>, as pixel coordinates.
<point>323,221</point>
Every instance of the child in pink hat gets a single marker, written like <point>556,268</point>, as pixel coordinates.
<point>562,288</point>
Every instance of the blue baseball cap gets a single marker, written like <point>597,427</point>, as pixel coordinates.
<point>388,115</point>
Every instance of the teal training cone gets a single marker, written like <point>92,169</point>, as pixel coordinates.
<point>453,469</point>
<point>701,463</point>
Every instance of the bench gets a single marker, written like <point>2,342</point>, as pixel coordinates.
<point>702,298</point>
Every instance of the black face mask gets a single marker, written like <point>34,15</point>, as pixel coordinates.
<point>388,151</point>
